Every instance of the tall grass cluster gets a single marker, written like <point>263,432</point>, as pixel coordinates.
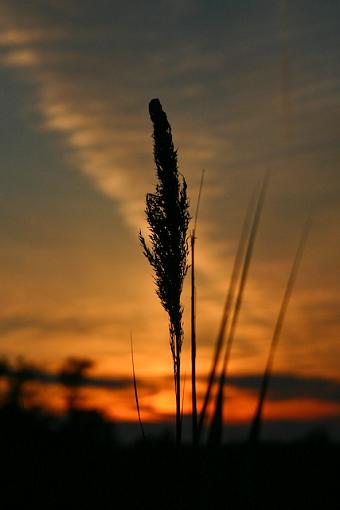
<point>168,217</point>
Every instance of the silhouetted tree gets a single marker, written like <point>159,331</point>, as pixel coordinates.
<point>71,375</point>
<point>17,375</point>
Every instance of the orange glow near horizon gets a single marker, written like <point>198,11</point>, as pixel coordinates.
<point>119,405</point>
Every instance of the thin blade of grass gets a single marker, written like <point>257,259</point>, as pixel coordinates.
<point>193,321</point>
<point>255,428</point>
<point>226,313</point>
<point>199,199</point>
<point>135,389</point>
<point>215,432</point>
<point>183,393</point>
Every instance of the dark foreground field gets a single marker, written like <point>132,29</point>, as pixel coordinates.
<point>77,463</point>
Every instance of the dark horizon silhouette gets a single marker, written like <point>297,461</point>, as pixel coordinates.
<point>80,462</point>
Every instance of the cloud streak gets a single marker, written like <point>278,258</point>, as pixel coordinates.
<point>46,326</point>
<point>283,387</point>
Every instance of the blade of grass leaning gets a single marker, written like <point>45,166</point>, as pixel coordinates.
<point>225,315</point>
<point>255,428</point>
<point>193,321</point>
<point>135,389</point>
<point>215,431</point>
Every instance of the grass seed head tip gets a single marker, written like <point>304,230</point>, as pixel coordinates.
<point>155,108</point>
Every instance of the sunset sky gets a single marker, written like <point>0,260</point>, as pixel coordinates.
<point>248,86</point>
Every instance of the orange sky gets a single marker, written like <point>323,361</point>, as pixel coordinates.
<point>76,162</point>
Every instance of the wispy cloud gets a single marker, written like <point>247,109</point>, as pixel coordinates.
<point>290,386</point>
<point>92,76</point>
<point>283,386</point>
<point>38,325</point>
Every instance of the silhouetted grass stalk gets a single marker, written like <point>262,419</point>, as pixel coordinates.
<point>168,218</point>
<point>215,433</point>
<point>135,390</point>
<point>255,429</point>
<point>193,321</point>
<point>226,314</point>
<point>183,394</point>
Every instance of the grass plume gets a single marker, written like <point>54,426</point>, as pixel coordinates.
<point>167,212</point>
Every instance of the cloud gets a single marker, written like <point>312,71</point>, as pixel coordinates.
<point>40,376</point>
<point>43,326</point>
<point>92,101</point>
<point>149,386</point>
<point>290,386</point>
<point>283,386</point>
<point>21,58</point>
<point>287,386</point>
<point>21,37</point>
<point>93,74</point>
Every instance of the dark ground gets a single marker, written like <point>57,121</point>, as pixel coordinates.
<point>77,463</point>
